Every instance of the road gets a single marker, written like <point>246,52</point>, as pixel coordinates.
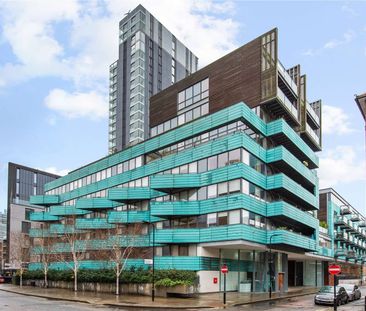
<point>16,302</point>
<point>302,303</point>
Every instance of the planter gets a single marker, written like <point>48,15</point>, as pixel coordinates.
<point>181,291</point>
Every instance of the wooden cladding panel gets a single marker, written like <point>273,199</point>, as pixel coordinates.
<point>323,210</point>
<point>233,78</point>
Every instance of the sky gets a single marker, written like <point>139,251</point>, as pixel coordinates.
<point>54,59</point>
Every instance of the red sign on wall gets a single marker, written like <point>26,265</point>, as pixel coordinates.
<point>215,280</point>
<point>334,269</point>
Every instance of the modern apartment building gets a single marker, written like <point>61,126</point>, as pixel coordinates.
<point>3,220</point>
<point>226,176</point>
<point>150,59</point>
<point>342,235</point>
<point>361,103</point>
<point>23,182</point>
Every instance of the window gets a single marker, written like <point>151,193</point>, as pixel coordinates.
<point>234,217</point>
<point>27,213</point>
<point>212,163</point>
<point>245,217</point>
<point>193,167</point>
<point>182,250</point>
<point>166,250</point>
<point>222,188</point>
<point>234,186</point>
<point>211,191</point>
<point>222,218</point>
<point>211,219</point>
<point>26,227</point>
<point>222,159</point>
<point>202,166</point>
<point>234,156</point>
<point>202,193</point>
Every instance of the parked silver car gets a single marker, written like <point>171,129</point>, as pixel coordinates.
<point>353,291</point>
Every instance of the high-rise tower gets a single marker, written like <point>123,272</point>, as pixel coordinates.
<point>150,59</point>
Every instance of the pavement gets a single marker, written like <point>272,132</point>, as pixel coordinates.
<point>203,301</point>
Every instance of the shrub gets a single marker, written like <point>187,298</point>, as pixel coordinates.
<point>132,276</point>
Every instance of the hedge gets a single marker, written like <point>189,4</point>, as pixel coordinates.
<point>134,276</point>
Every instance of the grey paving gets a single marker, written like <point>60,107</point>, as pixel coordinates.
<point>16,302</point>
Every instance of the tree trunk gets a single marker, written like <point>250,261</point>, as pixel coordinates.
<point>45,278</point>
<point>21,279</point>
<point>117,285</point>
<point>75,280</point>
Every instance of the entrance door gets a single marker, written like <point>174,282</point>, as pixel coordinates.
<point>299,273</point>
<point>291,273</point>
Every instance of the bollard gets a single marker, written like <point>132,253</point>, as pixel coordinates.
<point>365,303</point>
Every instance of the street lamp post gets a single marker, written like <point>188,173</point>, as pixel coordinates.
<point>270,264</point>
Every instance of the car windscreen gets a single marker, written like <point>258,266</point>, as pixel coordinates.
<point>348,287</point>
<point>326,289</point>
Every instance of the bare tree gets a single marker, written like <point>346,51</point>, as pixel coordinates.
<point>121,247</point>
<point>19,254</point>
<point>46,245</point>
<point>74,246</point>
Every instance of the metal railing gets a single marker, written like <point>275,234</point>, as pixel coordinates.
<point>291,108</point>
<point>286,76</point>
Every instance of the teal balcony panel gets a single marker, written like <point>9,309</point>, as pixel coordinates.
<point>291,214</point>
<point>281,155</point>
<point>119,217</point>
<point>285,237</point>
<point>44,200</point>
<point>234,171</point>
<point>212,234</point>
<point>288,136</point>
<point>93,223</point>
<point>42,216</point>
<point>95,204</point>
<point>294,190</point>
<point>224,203</point>
<point>132,194</point>
<point>87,265</point>
<point>69,210</point>
<point>224,116</point>
<point>323,251</point>
<point>183,181</point>
<point>53,231</point>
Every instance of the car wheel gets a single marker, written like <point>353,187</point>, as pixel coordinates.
<point>339,301</point>
<point>346,300</point>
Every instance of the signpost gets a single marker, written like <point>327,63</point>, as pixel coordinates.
<point>224,270</point>
<point>334,270</point>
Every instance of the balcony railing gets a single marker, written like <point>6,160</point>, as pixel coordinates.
<point>313,134</point>
<point>287,77</point>
<point>312,113</point>
<point>287,103</point>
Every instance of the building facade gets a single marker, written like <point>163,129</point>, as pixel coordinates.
<point>150,59</point>
<point>3,221</point>
<point>23,182</point>
<point>343,235</point>
<point>226,177</point>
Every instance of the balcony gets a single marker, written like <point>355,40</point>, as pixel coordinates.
<point>95,204</point>
<point>362,224</point>
<point>42,216</point>
<point>288,188</point>
<point>355,217</point>
<point>169,182</point>
<point>340,252</point>
<point>341,237</point>
<point>119,217</point>
<point>283,134</point>
<point>127,195</point>
<point>224,203</point>
<point>67,210</point>
<point>312,115</point>
<point>351,255</point>
<point>93,223</point>
<point>44,200</point>
<point>345,210</point>
<point>291,239</point>
<point>312,137</point>
<point>343,223</point>
<point>287,78</point>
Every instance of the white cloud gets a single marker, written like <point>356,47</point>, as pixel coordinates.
<point>347,37</point>
<point>75,105</point>
<point>54,170</point>
<point>91,42</point>
<point>335,121</point>
<point>340,165</point>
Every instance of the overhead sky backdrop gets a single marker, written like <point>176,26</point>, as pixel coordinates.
<point>54,59</point>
